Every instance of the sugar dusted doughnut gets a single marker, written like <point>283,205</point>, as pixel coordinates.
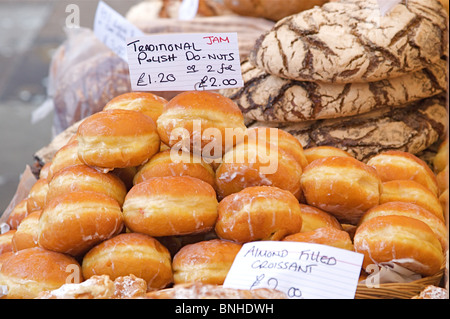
<point>130,253</point>
<point>148,103</point>
<point>27,233</point>
<point>117,138</point>
<point>313,218</point>
<point>409,191</point>
<point>395,165</point>
<point>436,224</point>
<point>313,153</point>
<point>402,240</point>
<point>170,205</point>
<point>33,270</point>
<point>65,156</point>
<point>329,236</point>
<point>85,178</point>
<point>74,222</point>
<point>18,213</point>
<point>37,195</point>
<point>169,163</point>
<point>204,117</point>
<point>258,213</point>
<point>342,186</point>
<point>256,162</point>
<point>207,262</point>
<point>6,241</point>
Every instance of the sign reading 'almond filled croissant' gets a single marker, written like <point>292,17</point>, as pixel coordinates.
<point>184,62</point>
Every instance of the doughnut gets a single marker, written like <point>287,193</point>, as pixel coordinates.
<point>402,240</point>
<point>313,153</point>
<point>258,213</point>
<point>117,138</point>
<point>27,233</point>
<point>202,121</point>
<point>130,253</point>
<point>148,103</point>
<point>37,195</point>
<point>72,223</point>
<point>85,178</point>
<point>129,287</point>
<point>170,205</point>
<point>33,270</point>
<point>282,139</point>
<point>207,262</point>
<point>313,218</point>
<point>3,257</point>
<point>6,241</point>
<point>256,162</point>
<point>395,165</point>
<point>440,161</point>
<point>18,213</point>
<point>65,156</point>
<point>436,224</point>
<point>341,186</point>
<point>409,191</point>
<point>432,292</point>
<point>44,172</point>
<point>198,290</point>
<point>442,179</point>
<point>168,163</point>
<point>329,236</point>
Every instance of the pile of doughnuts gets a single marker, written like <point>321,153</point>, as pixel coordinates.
<point>156,189</point>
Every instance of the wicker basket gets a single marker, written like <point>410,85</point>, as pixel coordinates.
<point>398,290</point>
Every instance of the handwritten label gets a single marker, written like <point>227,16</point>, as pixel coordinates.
<point>300,270</point>
<point>112,29</point>
<point>183,62</point>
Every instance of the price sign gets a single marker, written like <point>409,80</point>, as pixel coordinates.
<point>112,29</point>
<point>300,270</point>
<point>184,62</point>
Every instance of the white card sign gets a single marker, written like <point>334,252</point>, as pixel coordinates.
<point>112,29</point>
<point>300,270</point>
<point>184,62</point>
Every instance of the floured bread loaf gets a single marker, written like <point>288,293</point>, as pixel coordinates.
<point>349,41</point>
<point>266,97</point>
<point>410,129</point>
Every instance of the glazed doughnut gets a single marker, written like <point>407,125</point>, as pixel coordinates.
<point>316,152</point>
<point>341,186</point>
<point>200,118</point>
<point>130,253</point>
<point>436,224</point>
<point>282,139</point>
<point>169,163</point>
<point>258,163</point>
<point>74,222</point>
<point>409,191</point>
<point>6,241</point>
<point>27,233</point>
<point>440,161</point>
<point>145,102</point>
<point>65,156</point>
<point>117,138</point>
<point>170,205</point>
<point>18,213</point>
<point>37,195</point>
<point>207,262</point>
<point>395,165</point>
<point>85,178</point>
<point>329,236</point>
<point>33,270</point>
<point>313,218</point>
<point>402,240</point>
<point>258,213</point>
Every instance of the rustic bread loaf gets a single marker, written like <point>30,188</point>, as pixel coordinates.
<point>266,97</point>
<point>350,41</point>
<point>411,129</point>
